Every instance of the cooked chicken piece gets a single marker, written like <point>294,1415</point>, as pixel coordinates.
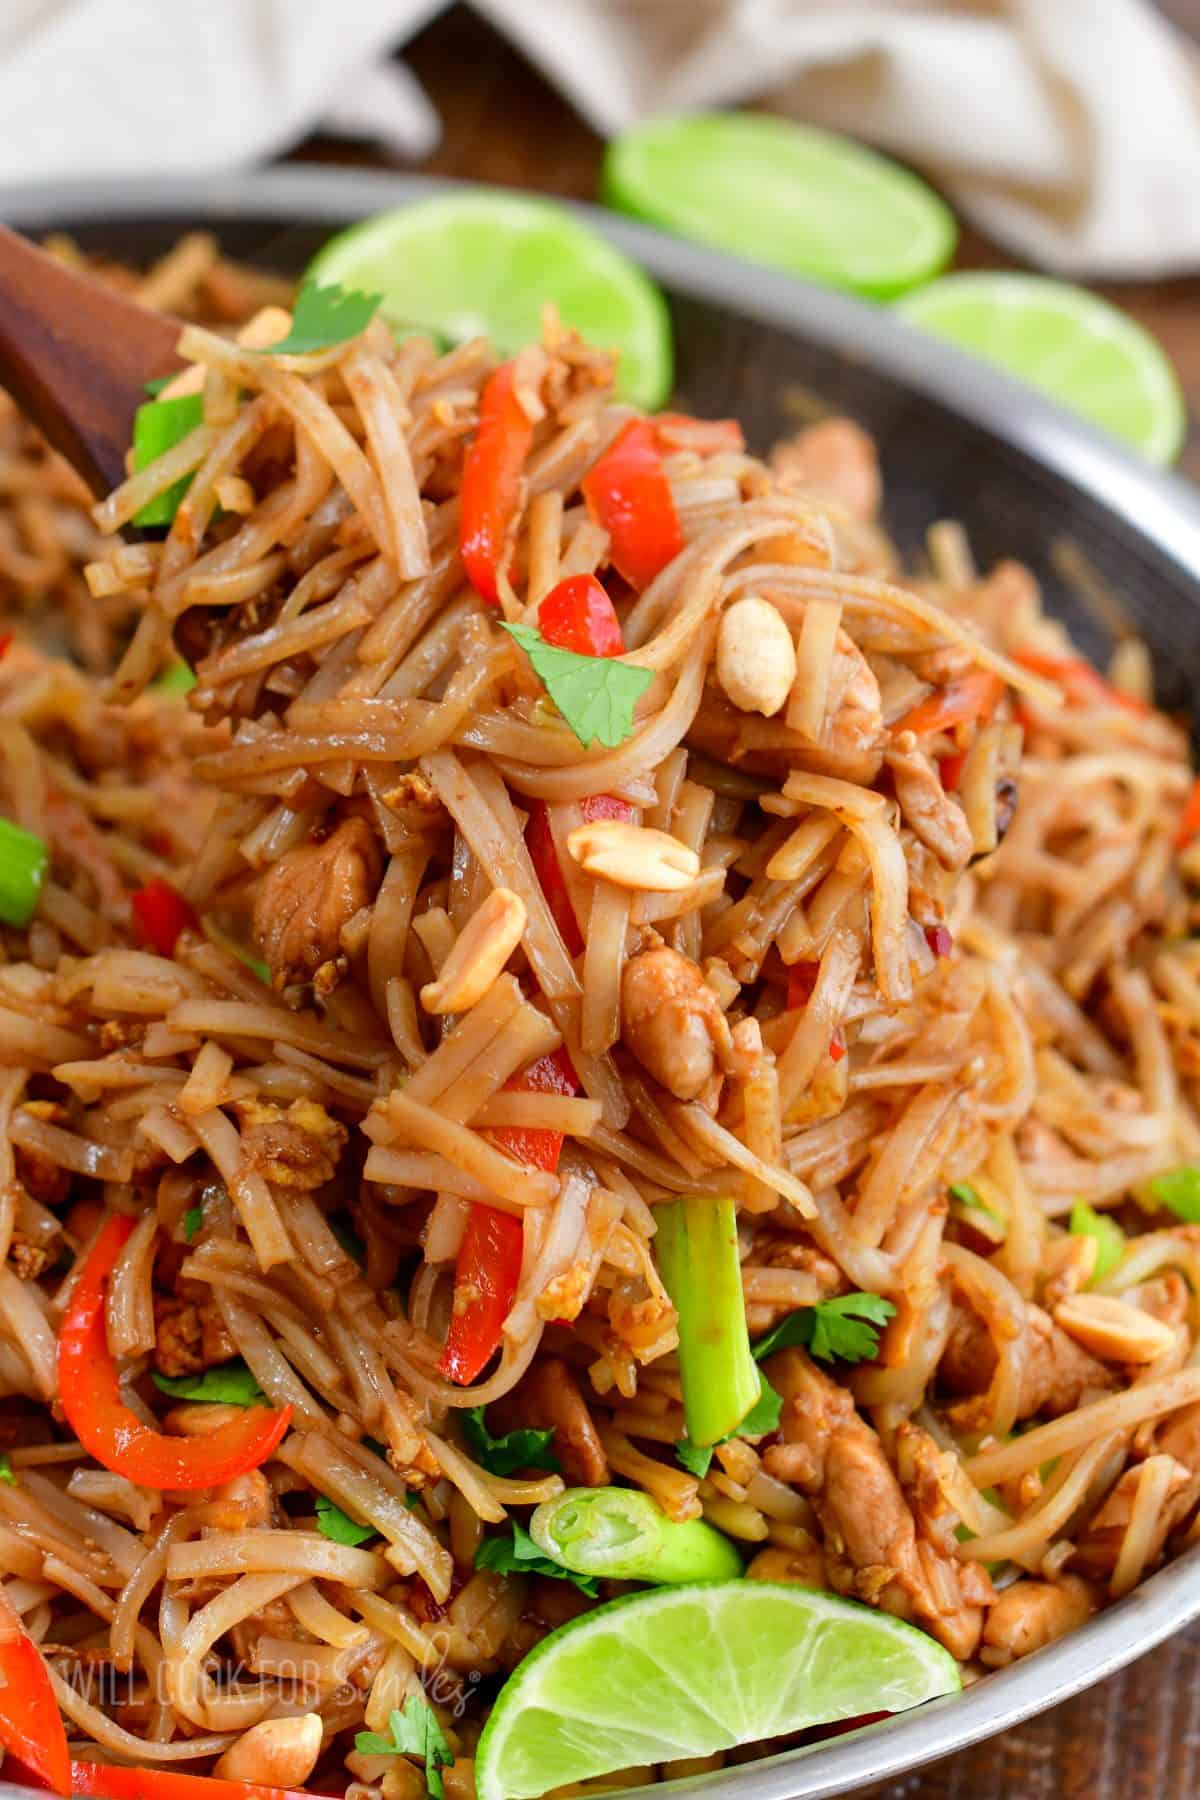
<point>1031,1614</point>
<point>936,817</point>
<point>190,1336</point>
<point>871,1547</point>
<point>1100,1543</point>
<point>805,1565</point>
<point>1057,1372</point>
<point>837,457</point>
<point>768,747</point>
<point>245,1502</point>
<point>296,1149</point>
<point>780,1251</point>
<point>673,1021</point>
<point>854,709</point>
<point>309,894</point>
<point>551,1397</point>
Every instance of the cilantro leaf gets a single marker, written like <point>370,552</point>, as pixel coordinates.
<point>696,1458</point>
<point>414,1732</point>
<point>323,317</point>
<point>519,1555</point>
<point>229,1384</point>
<point>762,1418</point>
<point>1110,1239</point>
<point>339,1526</point>
<point>193,1219</point>
<point>6,1470</point>
<point>596,695</point>
<point>1179,1192</point>
<point>848,1327</point>
<point>527,1449</point>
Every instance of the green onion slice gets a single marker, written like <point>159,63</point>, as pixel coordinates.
<point>622,1535</point>
<point>696,1246</point>
<point>24,860</point>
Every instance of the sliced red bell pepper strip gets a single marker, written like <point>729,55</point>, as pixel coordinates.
<point>578,615</point>
<point>161,913</point>
<point>31,1725</point>
<point>553,1074</point>
<point>491,483</point>
<point>110,1431</point>
<point>489,1257</point>
<point>950,770</point>
<point>1082,685</point>
<point>973,696</point>
<point>802,979</point>
<point>539,841</point>
<point>111,1781</point>
<point>627,492</point>
<point>485,1285</point>
<point>1189,819</point>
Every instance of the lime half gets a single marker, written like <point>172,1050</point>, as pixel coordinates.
<point>684,1671</point>
<point>817,205</point>
<point>1076,348</point>
<point>483,264</point>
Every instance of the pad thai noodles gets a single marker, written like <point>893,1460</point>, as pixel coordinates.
<point>606,981</point>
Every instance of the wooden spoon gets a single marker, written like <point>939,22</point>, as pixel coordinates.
<point>75,355</point>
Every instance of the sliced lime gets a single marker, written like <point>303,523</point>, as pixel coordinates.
<point>1076,348</point>
<point>795,198</point>
<point>483,264</point>
<point>684,1671</point>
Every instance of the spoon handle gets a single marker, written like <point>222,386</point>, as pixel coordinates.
<point>75,356</point>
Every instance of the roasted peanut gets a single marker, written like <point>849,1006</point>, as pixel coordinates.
<point>1112,1328</point>
<point>478,955</point>
<point>634,856</point>
<point>756,658</point>
<point>278,1752</point>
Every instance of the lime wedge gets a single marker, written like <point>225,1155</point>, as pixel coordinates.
<point>1076,348</point>
<point>787,195</point>
<point>483,264</point>
<point>684,1671</point>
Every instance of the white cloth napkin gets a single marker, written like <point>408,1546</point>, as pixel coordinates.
<point>1067,129</point>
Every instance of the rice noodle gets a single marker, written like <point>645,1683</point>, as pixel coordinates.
<point>931,984</point>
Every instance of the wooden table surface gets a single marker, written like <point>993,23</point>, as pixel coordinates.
<point>1136,1737</point>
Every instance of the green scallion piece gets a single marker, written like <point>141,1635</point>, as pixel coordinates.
<point>1179,1191</point>
<point>620,1534</point>
<point>696,1247</point>
<point>179,678</point>
<point>1110,1239</point>
<point>24,860</point>
<point>158,426</point>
